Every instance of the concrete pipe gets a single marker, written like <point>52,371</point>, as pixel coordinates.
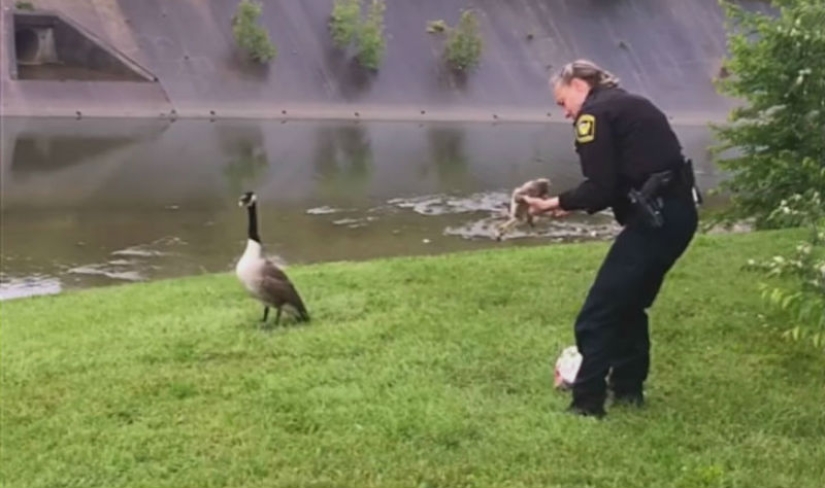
<point>26,45</point>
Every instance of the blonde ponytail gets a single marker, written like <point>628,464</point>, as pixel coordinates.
<point>589,72</point>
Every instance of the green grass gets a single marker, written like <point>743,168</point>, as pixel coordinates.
<point>414,372</point>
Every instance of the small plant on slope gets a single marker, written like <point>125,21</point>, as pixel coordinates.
<point>250,36</point>
<point>371,36</point>
<point>344,22</point>
<point>435,26</point>
<point>464,43</point>
<point>347,28</point>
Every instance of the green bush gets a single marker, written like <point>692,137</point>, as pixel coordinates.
<point>250,36</point>
<point>799,303</point>
<point>22,5</point>
<point>347,28</point>
<point>371,36</point>
<point>344,22</point>
<point>464,43</point>
<point>777,68</point>
<point>778,177</point>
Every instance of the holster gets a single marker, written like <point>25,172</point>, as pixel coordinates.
<point>648,199</point>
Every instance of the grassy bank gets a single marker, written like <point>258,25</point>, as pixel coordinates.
<point>414,372</point>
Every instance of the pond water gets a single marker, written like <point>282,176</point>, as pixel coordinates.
<point>96,202</point>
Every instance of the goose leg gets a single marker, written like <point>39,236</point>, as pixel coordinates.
<point>266,314</point>
<point>278,316</point>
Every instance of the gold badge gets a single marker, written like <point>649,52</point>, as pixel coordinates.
<point>586,128</point>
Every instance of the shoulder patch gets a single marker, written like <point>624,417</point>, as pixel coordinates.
<point>586,128</point>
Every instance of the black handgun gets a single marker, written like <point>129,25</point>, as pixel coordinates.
<point>647,199</point>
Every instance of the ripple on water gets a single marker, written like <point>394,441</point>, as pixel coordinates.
<point>494,206</point>
<point>140,262</point>
<point>556,230</point>
<point>446,204</point>
<point>108,270</point>
<point>28,286</point>
<point>152,249</point>
<point>324,210</point>
<point>354,223</point>
<point>491,209</point>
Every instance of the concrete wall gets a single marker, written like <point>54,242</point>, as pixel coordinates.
<point>669,50</point>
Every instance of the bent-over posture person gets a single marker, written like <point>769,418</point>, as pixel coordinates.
<point>622,139</point>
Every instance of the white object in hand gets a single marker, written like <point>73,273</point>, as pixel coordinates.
<point>567,366</point>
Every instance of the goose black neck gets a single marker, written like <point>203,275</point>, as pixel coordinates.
<point>252,233</point>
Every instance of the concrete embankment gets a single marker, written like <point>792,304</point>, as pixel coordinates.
<point>184,51</point>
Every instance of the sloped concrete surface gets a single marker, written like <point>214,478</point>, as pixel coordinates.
<point>669,50</point>
<point>77,98</point>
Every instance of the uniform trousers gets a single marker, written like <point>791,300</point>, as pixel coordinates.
<point>612,327</point>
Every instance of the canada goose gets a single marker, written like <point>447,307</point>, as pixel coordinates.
<point>518,210</point>
<point>262,278</point>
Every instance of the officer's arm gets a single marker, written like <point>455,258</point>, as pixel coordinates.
<point>596,152</point>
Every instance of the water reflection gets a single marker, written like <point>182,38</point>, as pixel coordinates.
<point>343,161</point>
<point>247,160</point>
<point>97,202</point>
<point>35,153</point>
<point>56,162</point>
<point>448,156</point>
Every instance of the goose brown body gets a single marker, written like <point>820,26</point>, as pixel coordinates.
<point>262,278</point>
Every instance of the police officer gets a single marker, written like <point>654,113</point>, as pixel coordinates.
<point>621,140</point>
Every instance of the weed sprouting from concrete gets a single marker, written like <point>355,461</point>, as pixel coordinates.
<point>371,43</point>
<point>435,26</point>
<point>464,42</point>
<point>347,28</point>
<point>343,24</point>
<point>250,36</point>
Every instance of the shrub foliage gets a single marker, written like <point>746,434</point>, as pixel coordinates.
<point>250,36</point>
<point>464,42</point>
<point>777,177</point>
<point>778,135</point>
<point>347,28</point>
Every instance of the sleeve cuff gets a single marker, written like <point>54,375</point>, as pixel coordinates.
<point>566,202</point>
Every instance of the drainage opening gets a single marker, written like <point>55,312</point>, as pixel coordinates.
<point>49,47</point>
<point>26,45</point>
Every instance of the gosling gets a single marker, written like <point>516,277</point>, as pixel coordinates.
<point>518,210</point>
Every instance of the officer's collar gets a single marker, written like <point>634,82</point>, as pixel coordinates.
<point>593,93</point>
<point>588,98</point>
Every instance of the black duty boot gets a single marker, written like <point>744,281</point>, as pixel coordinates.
<point>632,398</point>
<point>587,411</point>
<point>625,394</point>
<point>587,405</point>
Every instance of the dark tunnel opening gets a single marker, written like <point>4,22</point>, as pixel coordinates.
<point>48,47</point>
<point>26,44</point>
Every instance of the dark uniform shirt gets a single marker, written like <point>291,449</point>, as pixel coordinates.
<point>620,139</point>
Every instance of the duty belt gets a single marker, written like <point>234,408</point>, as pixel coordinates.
<point>648,200</point>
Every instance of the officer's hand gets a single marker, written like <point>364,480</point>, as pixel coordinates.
<point>541,205</point>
